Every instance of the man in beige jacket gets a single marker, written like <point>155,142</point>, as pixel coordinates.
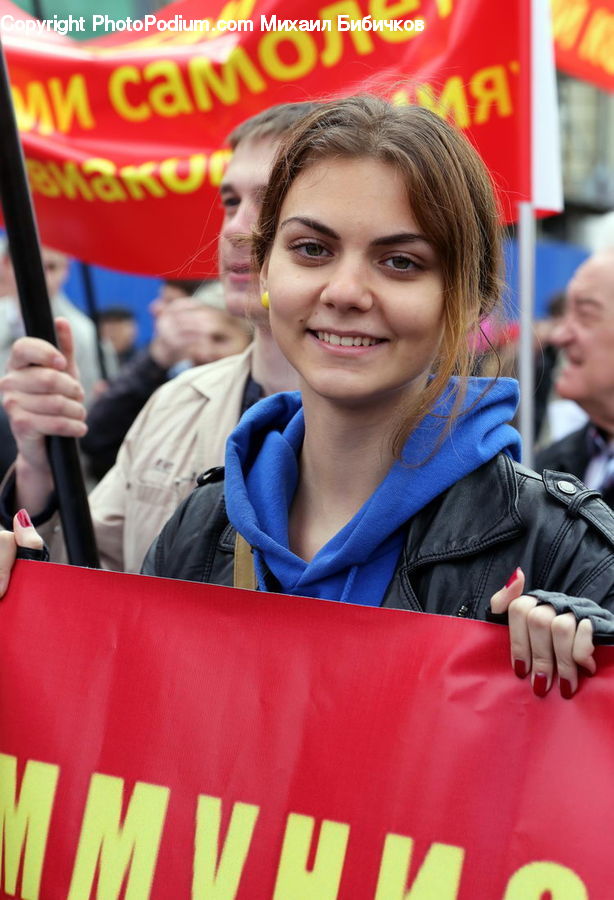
<point>183,428</point>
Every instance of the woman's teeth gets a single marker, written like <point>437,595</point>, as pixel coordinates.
<point>346,340</point>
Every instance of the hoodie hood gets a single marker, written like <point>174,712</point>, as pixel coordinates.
<point>356,565</point>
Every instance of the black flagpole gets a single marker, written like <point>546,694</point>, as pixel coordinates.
<point>24,247</point>
<point>86,273</point>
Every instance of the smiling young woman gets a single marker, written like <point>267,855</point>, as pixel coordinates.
<point>391,478</point>
<point>434,182</point>
<point>356,294</point>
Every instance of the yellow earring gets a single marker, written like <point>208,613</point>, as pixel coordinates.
<point>264,299</point>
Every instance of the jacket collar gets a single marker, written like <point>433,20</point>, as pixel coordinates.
<point>213,377</point>
<point>478,511</point>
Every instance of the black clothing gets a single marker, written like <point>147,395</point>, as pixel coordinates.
<point>459,549</point>
<point>545,365</point>
<point>8,447</point>
<point>40,555</point>
<point>572,454</point>
<point>127,356</point>
<point>252,393</point>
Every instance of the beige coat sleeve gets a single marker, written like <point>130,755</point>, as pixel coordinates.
<point>180,432</point>
<point>107,502</point>
<point>107,508</point>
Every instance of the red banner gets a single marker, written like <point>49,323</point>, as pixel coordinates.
<point>124,135</point>
<point>164,739</point>
<point>584,39</point>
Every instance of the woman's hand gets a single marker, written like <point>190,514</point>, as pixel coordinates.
<point>24,535</point>
<point>542,641</point>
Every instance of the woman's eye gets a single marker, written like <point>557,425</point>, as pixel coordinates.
<point>311,249</point>
<point>400,263</point>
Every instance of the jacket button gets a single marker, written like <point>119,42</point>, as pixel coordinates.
<point>463,610</point>
<point>566,486</point>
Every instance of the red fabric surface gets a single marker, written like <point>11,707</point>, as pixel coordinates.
<point>385,722</point>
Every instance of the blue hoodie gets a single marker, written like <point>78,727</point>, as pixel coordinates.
<point>357,564</point>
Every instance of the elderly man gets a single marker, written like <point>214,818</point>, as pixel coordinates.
<point>585,334</point>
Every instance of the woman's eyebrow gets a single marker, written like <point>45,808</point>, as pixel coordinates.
<point>403,237</point>
<point>313,224</point>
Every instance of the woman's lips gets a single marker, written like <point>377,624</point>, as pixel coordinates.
<point>347,340</point>
<point>346,344</point>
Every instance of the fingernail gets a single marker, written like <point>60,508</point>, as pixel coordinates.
<point>540,685</point>
<point>565,688</point>
<point>520,668</point>
<point>512,578</point>
<point>24,519</point>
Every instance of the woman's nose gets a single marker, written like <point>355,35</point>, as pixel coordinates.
<point>348,287</point>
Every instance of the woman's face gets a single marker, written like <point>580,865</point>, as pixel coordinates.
<point>356,297</point>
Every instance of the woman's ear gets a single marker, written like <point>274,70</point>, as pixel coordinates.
<point>264,294</point>
<point>264,274</point>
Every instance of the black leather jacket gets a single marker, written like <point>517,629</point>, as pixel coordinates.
<point>459,550</point>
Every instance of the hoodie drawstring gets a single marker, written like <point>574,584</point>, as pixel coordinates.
<point>348,585</point>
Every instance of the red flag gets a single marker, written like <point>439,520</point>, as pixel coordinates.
<point>584,39</point>
<point>125,134</point>
<point>176,740</point>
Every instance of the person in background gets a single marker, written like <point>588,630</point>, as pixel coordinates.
<point>585,337</point>
<point>188,331</point>
<point>498,344</point>
<point>172,289</point>
<point>118,326</point>
<point>151,367</point>
<point>182,430</point>
<point>555,416</point>
<point>546,359</point>
<point>56,268</point>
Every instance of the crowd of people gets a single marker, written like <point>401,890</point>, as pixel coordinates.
<point>319,406</point>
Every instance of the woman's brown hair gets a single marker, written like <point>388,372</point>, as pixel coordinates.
<point>451,196</point>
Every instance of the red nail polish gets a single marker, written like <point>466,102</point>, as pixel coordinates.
<point>520,668</point>
<point>540,685</point>
<point>565,688</point>
<point>512,578</point>
<point>24,519</point>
